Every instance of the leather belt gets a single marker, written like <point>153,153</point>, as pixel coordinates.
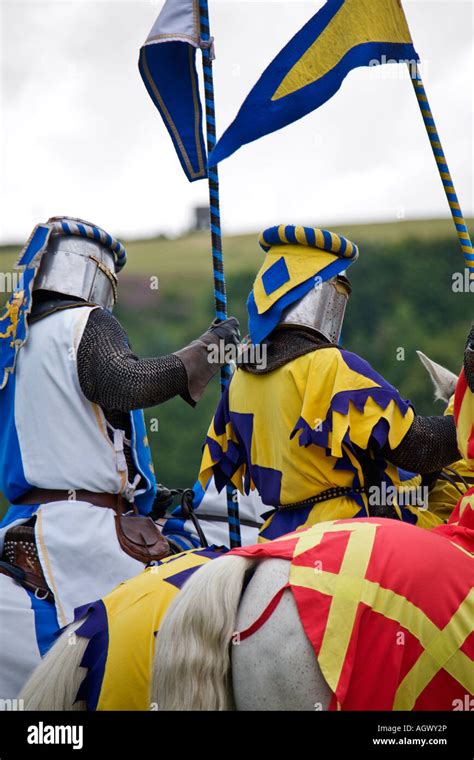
<point>107,500</point>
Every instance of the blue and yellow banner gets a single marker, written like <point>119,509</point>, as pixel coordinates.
<point>168,68</point>
<point>342,36</point>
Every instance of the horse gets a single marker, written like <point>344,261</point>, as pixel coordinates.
<point>243,632</point>
<point>202,661</point>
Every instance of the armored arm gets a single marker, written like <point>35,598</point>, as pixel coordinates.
<point>429,445</point>
<point>111,375</point>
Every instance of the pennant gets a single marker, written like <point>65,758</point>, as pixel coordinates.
<point>343,35</point>
<point>168,68</point>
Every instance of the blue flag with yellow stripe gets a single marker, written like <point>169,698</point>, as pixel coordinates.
<point>310,69</point>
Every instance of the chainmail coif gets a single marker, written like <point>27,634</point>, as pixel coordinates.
<point>283,346</point>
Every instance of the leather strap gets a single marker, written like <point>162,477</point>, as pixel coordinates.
<point>108,500</point>
<point>32,582</point>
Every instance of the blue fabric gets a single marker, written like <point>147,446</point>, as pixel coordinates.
<point>13,319</point>
<point>13,483</point>
<point>143,462</point>
<point>174,531</point>
<point>260,115</point>
<point>95,628</point>
<point>178,580</point>
<point>276,276</point>
<point>168,70</point>
<point>20,512</point>
<point>38,241</point>
<point>285,521</point>
<point>406,475</point>
<point>261,325</point>
<point>46,622</point>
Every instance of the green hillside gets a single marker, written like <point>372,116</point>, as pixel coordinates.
<point>189,255</point>
<point>402,299</point>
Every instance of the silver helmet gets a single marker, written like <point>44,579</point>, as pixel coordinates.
<point>81,260</point>
<point>322,309</point>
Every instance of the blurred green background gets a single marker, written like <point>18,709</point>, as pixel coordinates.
<point>402,299</point>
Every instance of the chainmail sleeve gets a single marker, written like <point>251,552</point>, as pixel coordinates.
<point>113,377</point>
<point>429,445</point>
<point>469,360</point>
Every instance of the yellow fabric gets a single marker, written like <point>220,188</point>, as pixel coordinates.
<point>346,591</point>
<point>441,648</point>
<point>306,390</point>
<point>135,610</point>
<point>302,262</point>
<point>356,22</point>
<point>426,518</point>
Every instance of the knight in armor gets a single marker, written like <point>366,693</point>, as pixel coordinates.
<point>75,463</point>
<point>314,429</point>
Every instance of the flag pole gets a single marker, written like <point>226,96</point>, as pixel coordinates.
<point>220,297</point>
<point>438,152</point>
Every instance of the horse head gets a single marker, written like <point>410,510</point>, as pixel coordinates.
<point>444,381</point>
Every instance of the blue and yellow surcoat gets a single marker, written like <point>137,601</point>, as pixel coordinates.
<point>121,629</point>
<point>306,427</point>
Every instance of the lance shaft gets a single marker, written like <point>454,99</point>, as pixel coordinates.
<point>220,297</point>
<point>444,173</point>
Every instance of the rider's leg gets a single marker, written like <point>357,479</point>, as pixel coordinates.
<point>27,629</point>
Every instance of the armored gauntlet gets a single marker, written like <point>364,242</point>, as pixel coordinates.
<point>204,356</point>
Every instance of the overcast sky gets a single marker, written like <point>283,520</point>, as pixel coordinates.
<point>79,134</point>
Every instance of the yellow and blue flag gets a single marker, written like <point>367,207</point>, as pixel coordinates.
<point>310,69</point>
<point>168,68</point>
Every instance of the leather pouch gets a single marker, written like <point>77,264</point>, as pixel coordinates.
<point>141,538</point>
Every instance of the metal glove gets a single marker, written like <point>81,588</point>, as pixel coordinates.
<point>201,362</point>
<point>228,331</point>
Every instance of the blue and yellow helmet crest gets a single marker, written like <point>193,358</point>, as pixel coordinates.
<point>297,259</point>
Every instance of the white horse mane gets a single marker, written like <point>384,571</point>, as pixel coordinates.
<point>191,671</point>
